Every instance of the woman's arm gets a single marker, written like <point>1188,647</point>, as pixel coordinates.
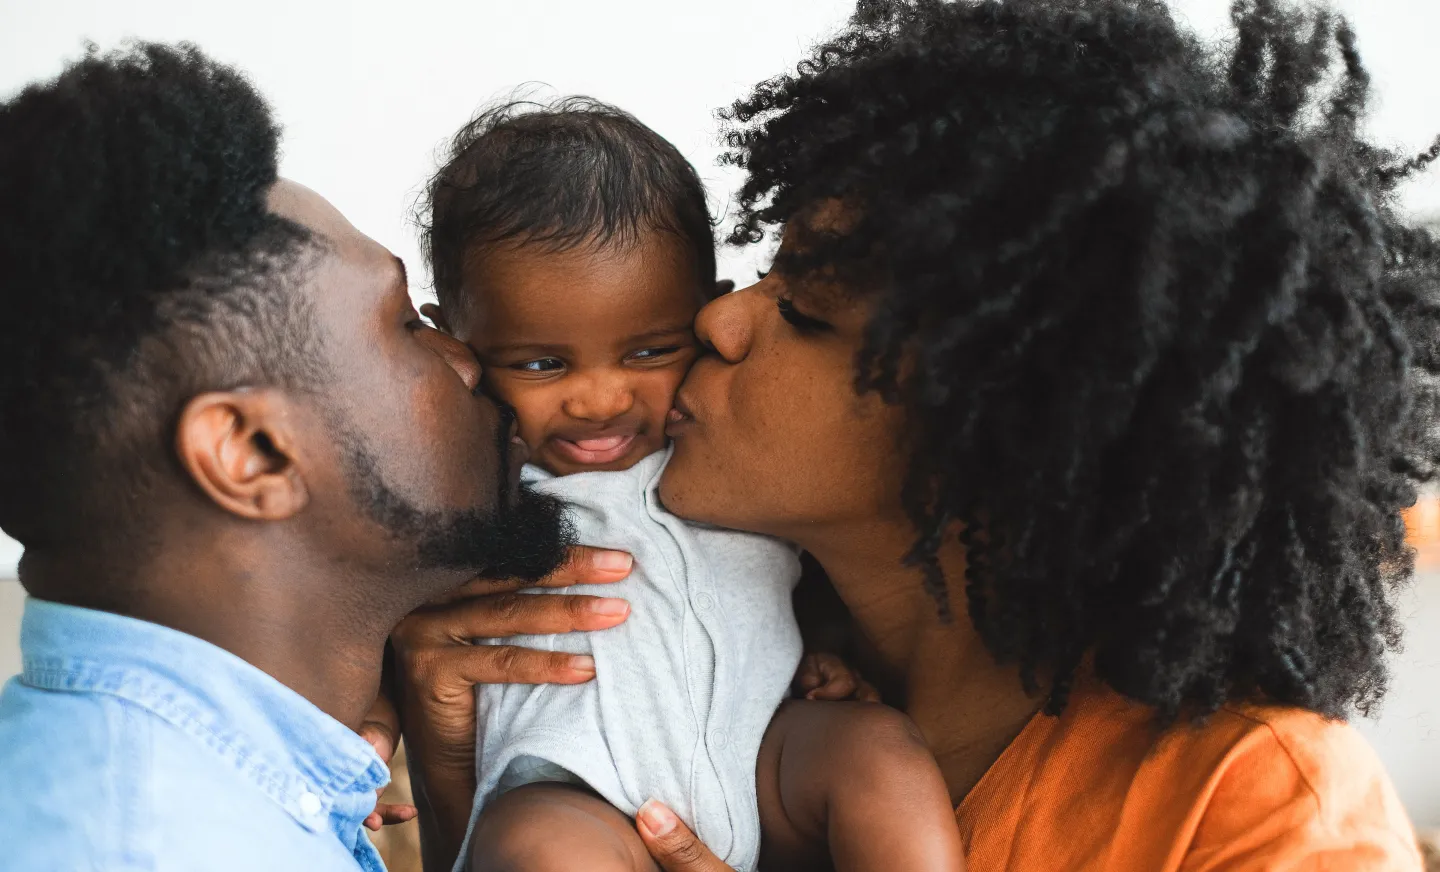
<point>438,667</point>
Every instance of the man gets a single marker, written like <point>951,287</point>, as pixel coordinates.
<point>236,458</point>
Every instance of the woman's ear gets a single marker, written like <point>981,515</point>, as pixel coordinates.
<point>437,317</point>
<point>239,447</point>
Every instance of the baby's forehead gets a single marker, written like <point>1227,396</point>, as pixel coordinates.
<point>591,293</point>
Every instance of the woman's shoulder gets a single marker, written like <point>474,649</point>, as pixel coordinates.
<point>1328,758</point>
<point>1290,782</point>
<point>1248,787</point>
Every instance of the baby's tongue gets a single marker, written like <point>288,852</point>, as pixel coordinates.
<point>604,444</point>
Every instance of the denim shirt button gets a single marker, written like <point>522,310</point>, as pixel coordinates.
<point>309,804</point>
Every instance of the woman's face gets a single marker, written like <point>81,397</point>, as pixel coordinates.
<point>770,435</point>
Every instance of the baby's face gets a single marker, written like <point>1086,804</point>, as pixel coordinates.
<point>589,345</point>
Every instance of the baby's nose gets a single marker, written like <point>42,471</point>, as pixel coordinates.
<point>601,397</point>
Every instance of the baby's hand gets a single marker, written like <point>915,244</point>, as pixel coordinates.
<point>381,728</point>
<point>827,677</point>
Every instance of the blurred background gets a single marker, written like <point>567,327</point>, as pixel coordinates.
<point>367,90</point>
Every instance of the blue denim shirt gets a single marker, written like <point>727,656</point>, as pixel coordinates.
<point>125,745</point>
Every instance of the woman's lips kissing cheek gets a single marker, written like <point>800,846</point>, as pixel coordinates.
<point>680,418</point>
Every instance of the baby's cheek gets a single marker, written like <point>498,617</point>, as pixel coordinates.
<point>661,388</point>
<point>659,398</point>
<point>533,405</point>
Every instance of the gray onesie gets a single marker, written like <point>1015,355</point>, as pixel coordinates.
<point>684,689</point>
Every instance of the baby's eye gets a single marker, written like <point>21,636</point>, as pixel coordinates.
<point>654,353</point>
<point>544,364</point>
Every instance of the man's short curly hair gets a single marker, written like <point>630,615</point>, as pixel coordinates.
<point>1166,345</point>
<point>141,266</point>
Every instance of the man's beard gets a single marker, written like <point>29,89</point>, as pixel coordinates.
<point>524,536</point>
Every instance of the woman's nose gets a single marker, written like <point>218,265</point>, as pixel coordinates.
<point>599,395</point>
<point>726,325</point>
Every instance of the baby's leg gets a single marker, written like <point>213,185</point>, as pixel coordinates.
<point>556,828</point>
<point>858,778</point>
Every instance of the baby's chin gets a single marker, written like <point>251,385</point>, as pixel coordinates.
<point>558,457</point>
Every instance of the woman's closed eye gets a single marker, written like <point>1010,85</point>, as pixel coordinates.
<point>799,320</point>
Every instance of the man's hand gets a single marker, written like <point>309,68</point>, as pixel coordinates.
<point>439,666</point>
<point>672,844</point>
<point>827,677</point>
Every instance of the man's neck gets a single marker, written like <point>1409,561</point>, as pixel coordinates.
<point>968,706</point>
<point>284,613</point>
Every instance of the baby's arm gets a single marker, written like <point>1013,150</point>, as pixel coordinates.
<point>856,777</point>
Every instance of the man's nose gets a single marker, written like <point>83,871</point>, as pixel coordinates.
<point>455,353</point>
<point>726,326</point>
<point>599,395</point>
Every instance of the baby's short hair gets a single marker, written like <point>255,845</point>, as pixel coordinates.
<point>562,174</point>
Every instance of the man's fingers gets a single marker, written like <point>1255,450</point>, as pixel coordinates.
<point>477,587</point>
<point>587,565</point>
<point>583,565</point>
<point>515,614</point>
<point>672,844</point>
<point>457,670</point>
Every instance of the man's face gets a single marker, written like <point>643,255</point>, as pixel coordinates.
<point>412,444</point>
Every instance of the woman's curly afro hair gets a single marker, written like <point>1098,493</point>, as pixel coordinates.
<point>1165,344</point>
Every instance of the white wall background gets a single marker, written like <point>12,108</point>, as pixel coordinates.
<point>367,89</point>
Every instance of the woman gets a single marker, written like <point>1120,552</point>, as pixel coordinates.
<point>1093,368</point>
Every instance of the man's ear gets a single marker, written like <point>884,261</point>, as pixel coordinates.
<point>437,317</point>
<point>239,448</point>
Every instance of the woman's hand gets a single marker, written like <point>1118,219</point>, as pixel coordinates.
<point>671,843</point>
<point>438,668</point>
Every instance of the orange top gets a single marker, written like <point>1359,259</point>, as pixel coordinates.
<point>1252,788</point>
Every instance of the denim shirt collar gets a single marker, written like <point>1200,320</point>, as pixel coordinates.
<point>311,765</point>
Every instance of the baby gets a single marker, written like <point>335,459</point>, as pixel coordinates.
<point>572,249</point>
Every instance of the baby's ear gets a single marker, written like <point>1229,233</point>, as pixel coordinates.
<point>437,317</point>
